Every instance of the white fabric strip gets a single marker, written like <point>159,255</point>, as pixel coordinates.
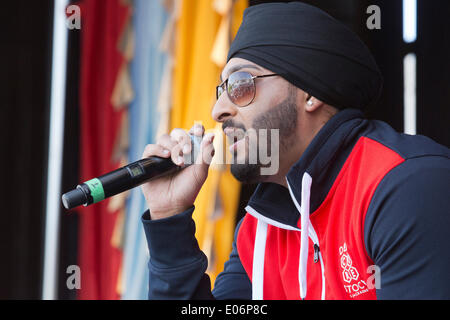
<point>55,151</point>
<point>304,239</point>
<point>258,261</point>
<point>274,223</point>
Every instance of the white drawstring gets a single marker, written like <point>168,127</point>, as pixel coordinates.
<point>304,237</point>
<point>261,235</point>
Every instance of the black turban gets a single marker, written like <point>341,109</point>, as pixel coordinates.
<point>311,50</point>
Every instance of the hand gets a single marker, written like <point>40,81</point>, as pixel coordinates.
<point>176,193</point>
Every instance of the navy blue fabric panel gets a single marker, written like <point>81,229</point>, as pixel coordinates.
<point>407,146</point>
<point>407,230</point>
<point>177,265</point>
<point>274,201</point>
<point>233,282</point>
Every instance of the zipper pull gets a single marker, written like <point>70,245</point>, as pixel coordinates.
<point>316,253</point>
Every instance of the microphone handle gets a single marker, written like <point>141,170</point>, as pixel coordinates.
<point>126,178</point>
<point>118,181</point>
<point>134,174</point>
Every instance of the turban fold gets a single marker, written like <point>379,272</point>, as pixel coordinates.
<point>311,50</point>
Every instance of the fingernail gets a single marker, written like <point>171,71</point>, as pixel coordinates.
<point>198,131</point>
<point>180,160</point>
<point>166,152</point>
<point>186,148</point>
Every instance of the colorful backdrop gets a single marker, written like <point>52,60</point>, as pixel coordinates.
<point>148,67</point>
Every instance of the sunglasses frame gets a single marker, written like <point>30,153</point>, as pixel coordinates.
<point>224,86</point>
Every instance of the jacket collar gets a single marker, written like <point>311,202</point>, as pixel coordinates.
<point>322,160</point>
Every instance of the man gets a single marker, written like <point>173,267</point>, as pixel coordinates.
<point>355,209</point>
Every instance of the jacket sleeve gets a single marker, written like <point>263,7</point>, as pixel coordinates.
<point>233,282</point>
<point>177,265</point>
<point>407,230</point>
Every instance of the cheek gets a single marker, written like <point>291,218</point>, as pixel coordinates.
<point>267,99</point>
<point>267,104</point>
<point>269,93</point>
<point>254,111</point>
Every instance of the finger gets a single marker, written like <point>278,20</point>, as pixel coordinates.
<point>177,155</point>
<point>206,149</point>
<point>155,150</point>
<point>183,139</point>
<point>197,130</point>
<point>166,141</point>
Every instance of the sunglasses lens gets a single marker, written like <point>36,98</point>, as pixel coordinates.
<point>241,88</point>
<point>219,91</point>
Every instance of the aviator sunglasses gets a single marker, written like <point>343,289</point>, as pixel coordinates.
<point>240,87</point>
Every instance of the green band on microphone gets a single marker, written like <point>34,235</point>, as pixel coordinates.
<point>97,192</point>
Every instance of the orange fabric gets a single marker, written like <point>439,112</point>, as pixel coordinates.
<point>195,78</point>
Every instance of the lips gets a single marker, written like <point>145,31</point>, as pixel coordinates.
<point>235,137</point>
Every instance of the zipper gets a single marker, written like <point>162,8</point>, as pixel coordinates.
<point>316,253</point>
<point>318,256</point>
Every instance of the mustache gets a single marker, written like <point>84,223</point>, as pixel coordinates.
<point>230,123</point>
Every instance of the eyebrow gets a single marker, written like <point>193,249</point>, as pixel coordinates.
<point>239,67</point>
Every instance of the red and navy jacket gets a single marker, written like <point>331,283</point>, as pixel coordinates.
<point>366,215</point>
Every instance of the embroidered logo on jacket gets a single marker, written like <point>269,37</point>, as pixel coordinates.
<point>350,274</point>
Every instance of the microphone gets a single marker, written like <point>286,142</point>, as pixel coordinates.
<point>126,178</point>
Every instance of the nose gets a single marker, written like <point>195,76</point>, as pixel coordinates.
<point>224,109</point>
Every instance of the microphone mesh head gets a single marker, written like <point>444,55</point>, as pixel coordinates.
<point>73,199</point>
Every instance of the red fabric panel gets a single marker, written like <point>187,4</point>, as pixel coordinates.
<point>339,221</point>
<point>102,24</point>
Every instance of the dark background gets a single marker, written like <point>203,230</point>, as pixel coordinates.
<point>25,66</point>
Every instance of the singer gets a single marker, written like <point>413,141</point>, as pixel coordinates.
<point>355,210</point>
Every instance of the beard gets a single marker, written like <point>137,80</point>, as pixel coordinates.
<point>282,117</point>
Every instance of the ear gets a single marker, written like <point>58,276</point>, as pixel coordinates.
<point>312,104</point>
